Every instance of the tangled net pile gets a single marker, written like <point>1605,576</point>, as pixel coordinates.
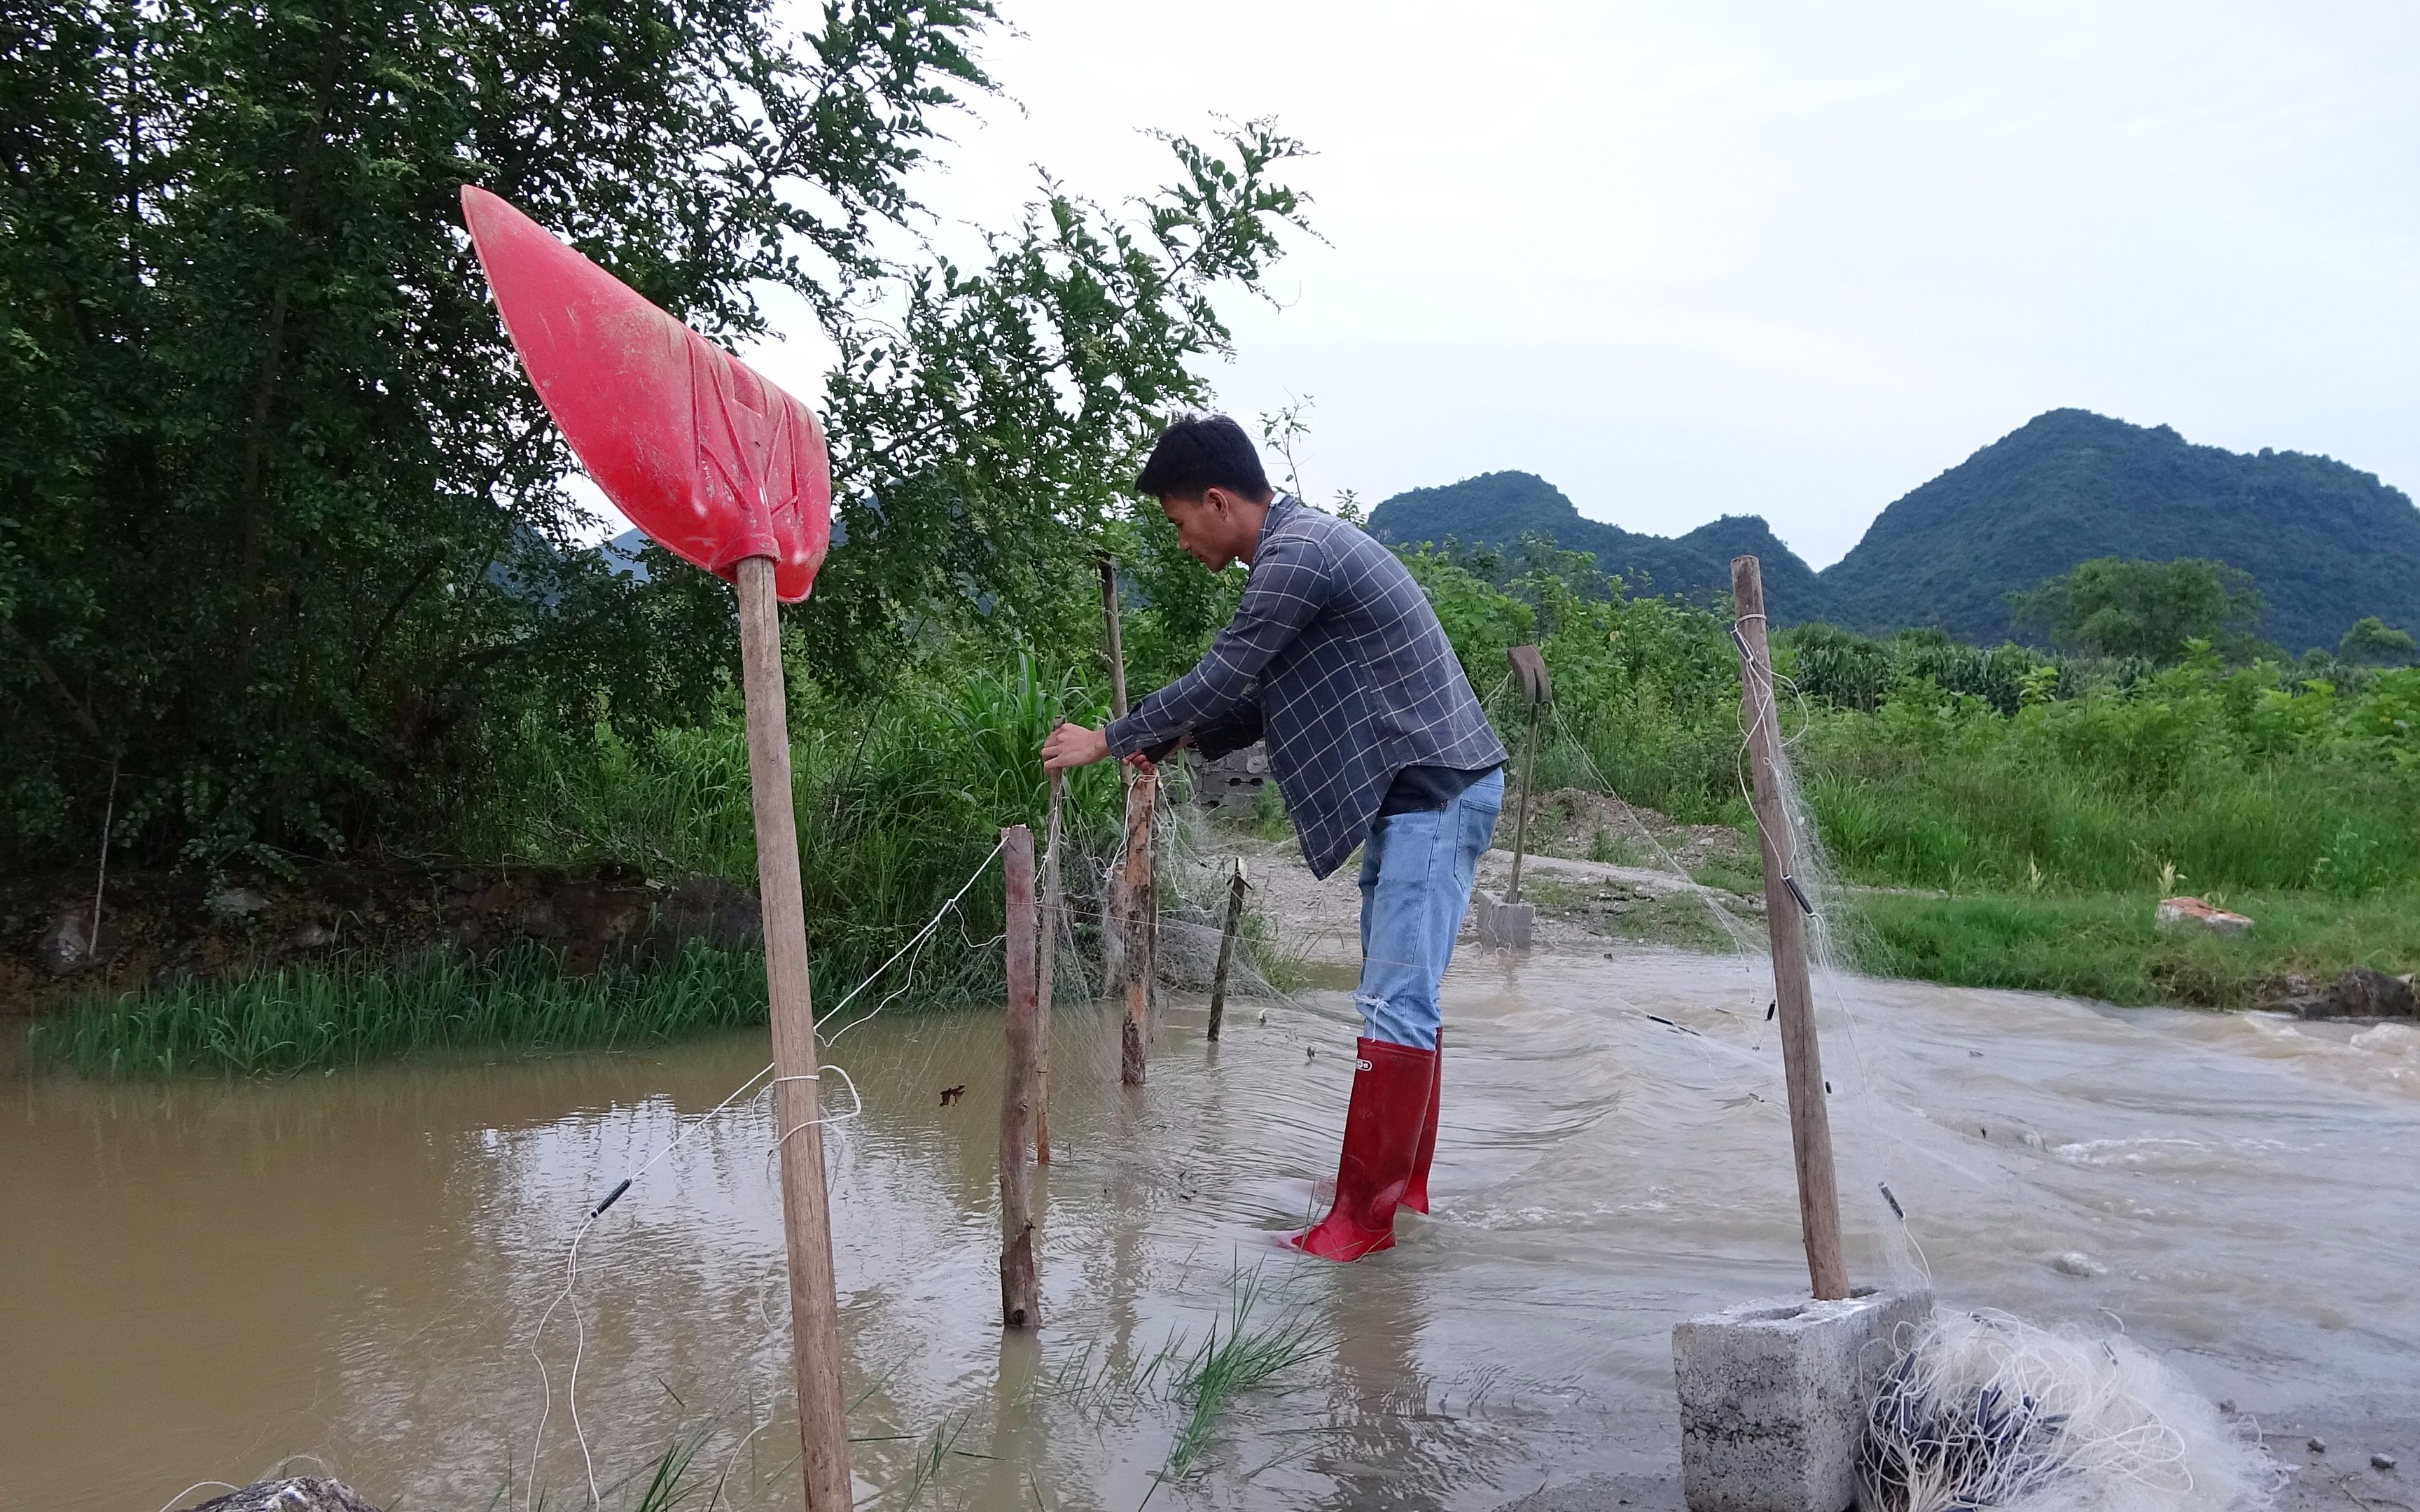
<point>1988,1411</point>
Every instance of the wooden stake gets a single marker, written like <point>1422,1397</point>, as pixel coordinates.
<point>1054,907</point>
<point>1020,1291</point>
<point>1113,936</point>
<point>1529,669</point>
<point>1117,641</point>
<point>1141,904</point>
<point>1811,1123</point>
<point>815,1300</point>
<point>1226,950</point>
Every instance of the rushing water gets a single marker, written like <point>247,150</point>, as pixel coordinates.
<point>202,1280</point>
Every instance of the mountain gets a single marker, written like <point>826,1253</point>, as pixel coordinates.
<point>2326,543</point>
<point>1499,508</point>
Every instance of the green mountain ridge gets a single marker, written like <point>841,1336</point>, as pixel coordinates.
<point>2327,542</point>
<point>1499,508</point>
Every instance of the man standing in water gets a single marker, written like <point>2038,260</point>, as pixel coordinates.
<point>1335,660</point>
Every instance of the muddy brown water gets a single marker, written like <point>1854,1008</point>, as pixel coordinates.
<point>206,1280</point>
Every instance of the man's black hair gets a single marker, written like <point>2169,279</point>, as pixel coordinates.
<point>1200,453</point>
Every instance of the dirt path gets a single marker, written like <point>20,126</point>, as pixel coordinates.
<point>1582,905</point>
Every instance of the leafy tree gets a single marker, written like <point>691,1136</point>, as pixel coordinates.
<point>2373,640</point>
<point>1483,621</point>
<point>987,433</point>
<point>285,562</point>
<point>2113,607</point>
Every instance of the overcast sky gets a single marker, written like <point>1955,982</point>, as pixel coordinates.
<point>1694,259</point>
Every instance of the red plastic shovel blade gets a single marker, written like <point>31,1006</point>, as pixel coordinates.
<point>713,462</point>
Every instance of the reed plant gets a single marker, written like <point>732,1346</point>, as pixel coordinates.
<point>350,1009</point>
<point>898,801</point>
<point>1209,1378</point>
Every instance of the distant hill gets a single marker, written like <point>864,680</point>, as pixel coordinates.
<point>2327,544</point>
<point>1499,508</point>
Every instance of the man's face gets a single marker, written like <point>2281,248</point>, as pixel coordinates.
<point>1210,528</point>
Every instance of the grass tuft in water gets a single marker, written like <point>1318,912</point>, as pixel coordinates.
<point>348,1010</point>
<point>1210,1379</point>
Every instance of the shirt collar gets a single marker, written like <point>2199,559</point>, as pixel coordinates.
<point>1268,521</point>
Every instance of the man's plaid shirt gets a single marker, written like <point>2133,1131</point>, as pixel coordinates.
<point>1335,658</point>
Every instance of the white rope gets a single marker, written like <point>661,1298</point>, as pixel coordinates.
<point>571,1257</point>
<point>170,1504</point>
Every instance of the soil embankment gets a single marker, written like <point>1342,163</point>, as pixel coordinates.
<point>160,925</point>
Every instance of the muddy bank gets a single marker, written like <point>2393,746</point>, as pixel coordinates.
<point>158,925</point>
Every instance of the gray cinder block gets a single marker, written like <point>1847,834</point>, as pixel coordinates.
<point>1774,1397</point>
<point>1501,923</point>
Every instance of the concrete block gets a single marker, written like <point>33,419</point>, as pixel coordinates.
<point>1503,924</point>
<point>1774,1397</point>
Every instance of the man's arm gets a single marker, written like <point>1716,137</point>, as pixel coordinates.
<point>1232,731</point>
<point>1290,585</point>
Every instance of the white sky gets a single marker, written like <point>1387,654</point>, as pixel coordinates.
<point>1691,259</point>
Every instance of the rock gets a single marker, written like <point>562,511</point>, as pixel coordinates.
<point>710,909</point>
<point>65,948</point>
<point>1774,1396</point>
<point>2317,1447</point>
<point>2382,1461</point>
<point>237,902</point>
<point>295,1493</point>
<point>1503,925</point>
<point>310,937</point>
<point>1185,954</point>
<point>2365,993</point>
<point>2175,912</point>
<point>2075,1262</point>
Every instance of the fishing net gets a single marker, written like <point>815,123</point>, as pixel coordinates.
<point>1987,1411</point>
<point>1978,1410</point>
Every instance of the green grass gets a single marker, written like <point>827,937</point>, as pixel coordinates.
<point>2106,947</point>
<point>898,802</point>
<point>348,1009</point>
<point>1218,1371</point>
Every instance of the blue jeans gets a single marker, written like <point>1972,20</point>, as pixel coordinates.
<point>1417,871</point>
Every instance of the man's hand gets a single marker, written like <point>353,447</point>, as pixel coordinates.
<point>1072,745</point>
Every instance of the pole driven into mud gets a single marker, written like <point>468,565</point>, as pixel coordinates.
<point>1141,904</point>
<point>1115,931</point>
<point>1529,670</point>
<point>1020,1290</point>
<point>1045,960</point>
<point>815,1301</point>
<point>1117,639</point>
<point>1810,1124</point>
<point>1226,951</point>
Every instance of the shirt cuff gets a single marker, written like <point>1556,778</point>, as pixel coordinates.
<point>1123,735</point>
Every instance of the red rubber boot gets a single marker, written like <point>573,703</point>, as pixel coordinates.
<point>1415,1196</point>
<point>1391,1087</point>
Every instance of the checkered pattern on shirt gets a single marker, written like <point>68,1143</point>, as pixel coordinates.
<point>1335,658</point>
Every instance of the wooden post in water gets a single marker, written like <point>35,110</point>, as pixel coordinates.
<point>1802,1060</point>
<point>1141,902</point>
<point>1054,905</point>
<point>1113,929</point>
<point>1226,950</point>
<point>1020,1291</point>
<point>815,1300</point>
<point>1117,640</point>
<point>1529,669</point>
